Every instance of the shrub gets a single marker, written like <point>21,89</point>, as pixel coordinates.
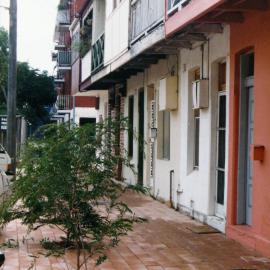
<point>67,179</point>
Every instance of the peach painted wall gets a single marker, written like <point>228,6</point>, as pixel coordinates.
<point>253,33</point>
<point>194,10</point>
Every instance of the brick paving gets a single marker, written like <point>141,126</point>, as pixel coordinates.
<point>162,243</point>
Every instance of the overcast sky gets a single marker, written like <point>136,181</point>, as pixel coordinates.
<point>36,20</point>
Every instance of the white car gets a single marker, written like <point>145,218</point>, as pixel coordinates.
<point>5,159</point>
<point>4,188</point>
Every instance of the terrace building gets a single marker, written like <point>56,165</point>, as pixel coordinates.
<point>191,76</point>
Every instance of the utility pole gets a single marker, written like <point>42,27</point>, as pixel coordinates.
<point>12,86</point>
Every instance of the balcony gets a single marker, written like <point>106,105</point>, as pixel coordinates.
<point>98,54</point>
<point>59,47</point>
<point>145,16</point>
<point>117,32</point>
<point>64,59</point>
<point>86,66</point>
<point>63,18</point>
<point>64,103</point>
<point>175,5</point>
<point>59,78</point>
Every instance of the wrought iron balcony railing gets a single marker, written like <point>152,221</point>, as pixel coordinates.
<point>63,18</point>
<point>174,5</point>
<point>64,59</point>
<point>64,102</point>
<point>98,54</point>
<point>59,78</point>
<point>145,15</point>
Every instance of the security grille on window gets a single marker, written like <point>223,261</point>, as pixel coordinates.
<point>163,138</point>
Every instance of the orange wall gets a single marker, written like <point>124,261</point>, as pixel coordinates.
<point>86,102</point>
<point>194,10</point>
<point>254,32</point>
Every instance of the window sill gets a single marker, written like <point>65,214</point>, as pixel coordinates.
<point>163,159</point>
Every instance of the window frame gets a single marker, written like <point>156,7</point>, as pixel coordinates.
<point>196,128</point>
<point>196,154</point>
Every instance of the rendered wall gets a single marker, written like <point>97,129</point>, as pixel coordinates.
<point>83,113</point>
<point>98,19</point>
<point>162,168</point>
<point>197,186</point>
<point>116,31</point>
<point>75,77</point>
<point>254,35</point>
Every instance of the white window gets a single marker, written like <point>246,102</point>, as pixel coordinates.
<point>196,137</point>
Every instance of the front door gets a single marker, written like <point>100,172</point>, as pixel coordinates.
<point>249,166</point>
<point>221,154</point>
<point>141,136</point>
<point>246,130</point>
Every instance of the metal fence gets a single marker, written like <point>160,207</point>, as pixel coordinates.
<point>145,14</point>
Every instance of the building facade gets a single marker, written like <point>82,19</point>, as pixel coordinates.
<point>191,77</point>
<point>73,36</point>
<point>248,194</point>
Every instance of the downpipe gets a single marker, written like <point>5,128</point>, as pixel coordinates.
<point>171,188</point>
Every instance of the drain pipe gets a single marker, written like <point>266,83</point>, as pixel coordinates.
<point>171,187</point>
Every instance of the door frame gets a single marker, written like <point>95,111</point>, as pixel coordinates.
<point>243,149</point>
<point>220,211</point>
<point>141,131</point>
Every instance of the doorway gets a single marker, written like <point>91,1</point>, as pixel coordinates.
<point>85,120</point>
<point>141,136</point>
<point>221,133</point>
<point>246,130</point>
<point>221,154</point>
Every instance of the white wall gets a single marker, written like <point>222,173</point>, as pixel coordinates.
<point>99,114</point>
<point>83,112</point>
<point>116,30</point>
<point>86,66</point>
<point>161,180</point>
<point>198,186</point>
<point>102,113</point>
<point>98,19</point>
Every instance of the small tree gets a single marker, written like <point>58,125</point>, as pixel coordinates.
<point>67,180</point>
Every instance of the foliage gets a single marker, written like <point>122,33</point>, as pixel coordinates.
<point>83,45</point>
<point>3,59</point>
<point>86,39</point>
<point>66,180</point>
<point>35,89</point>
<point>35,92</point>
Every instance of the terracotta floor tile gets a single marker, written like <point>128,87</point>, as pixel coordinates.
<point>163,243</point>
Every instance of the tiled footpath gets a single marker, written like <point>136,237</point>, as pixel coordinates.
<point>162,243</point>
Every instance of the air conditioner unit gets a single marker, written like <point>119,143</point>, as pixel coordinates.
<point>200,94</point>
<point>168,96</point>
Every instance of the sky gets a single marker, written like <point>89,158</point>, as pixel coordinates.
<point>36,21</point>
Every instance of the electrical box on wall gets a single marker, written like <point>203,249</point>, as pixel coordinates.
<point>168,96</point>
<point>200,94</point>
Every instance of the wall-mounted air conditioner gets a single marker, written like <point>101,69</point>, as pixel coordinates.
<point>200,94</point>
<point>168,96</point>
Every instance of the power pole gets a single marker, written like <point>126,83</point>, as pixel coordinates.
<point>12,86</point>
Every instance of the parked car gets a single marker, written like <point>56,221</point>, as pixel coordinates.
<point>4,190</point>
<point>5,160</point>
